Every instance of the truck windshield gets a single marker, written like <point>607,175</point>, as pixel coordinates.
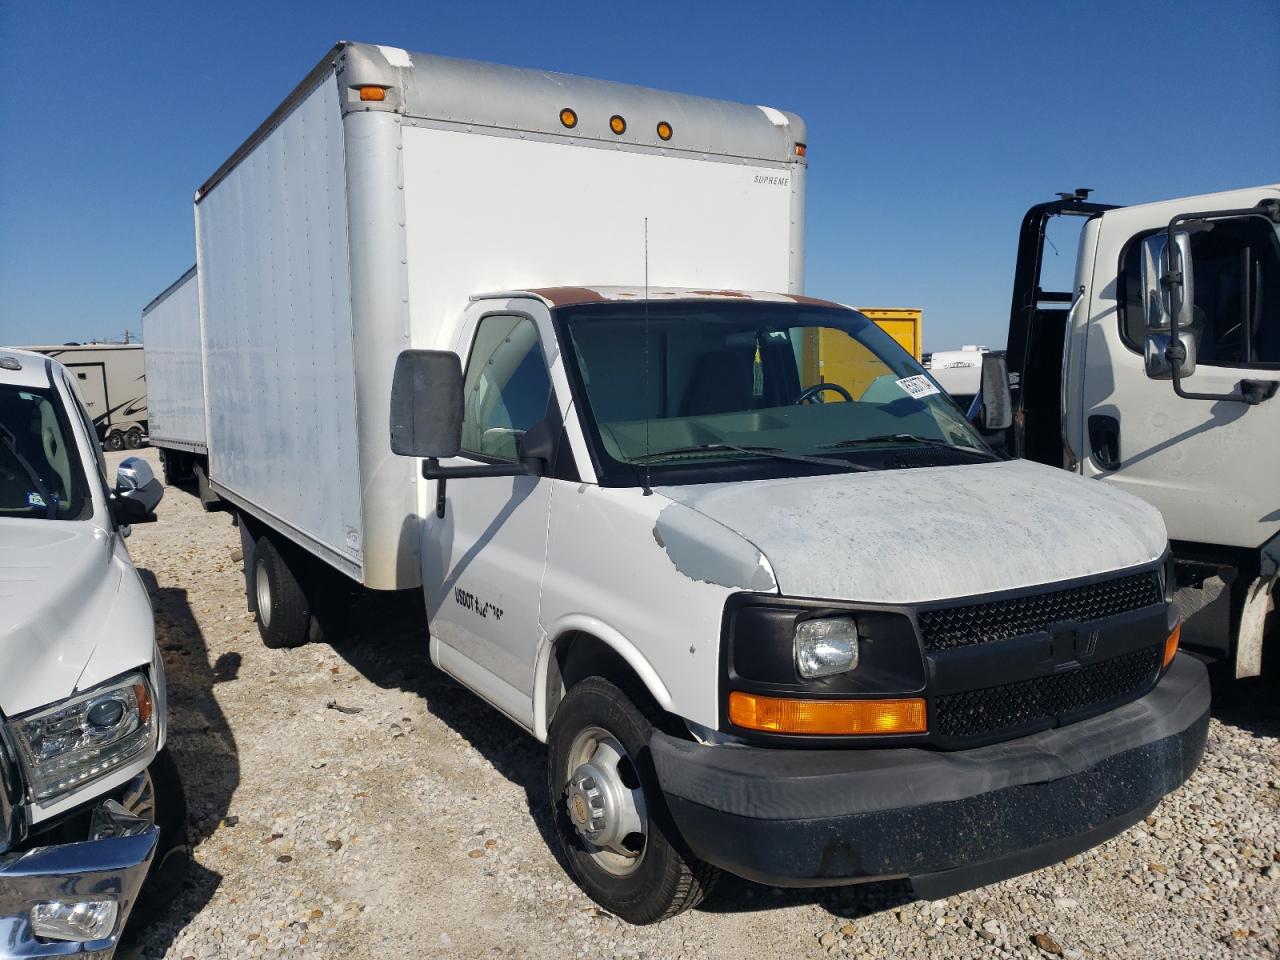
<point>39,471</point>
<point>699,382</point>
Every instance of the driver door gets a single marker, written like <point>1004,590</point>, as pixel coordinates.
<point>483,559</point>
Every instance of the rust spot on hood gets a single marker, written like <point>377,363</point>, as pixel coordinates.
<point>720,293</point>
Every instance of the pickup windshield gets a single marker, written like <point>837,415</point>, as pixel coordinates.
<point>702,382</point>
<point>39,472</point>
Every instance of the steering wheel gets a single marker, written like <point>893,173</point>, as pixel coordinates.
<point>809,394</point>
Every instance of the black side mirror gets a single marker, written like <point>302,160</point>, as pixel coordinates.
<point>994,401</point>
<point>137,492</point>
<point>426,404</point>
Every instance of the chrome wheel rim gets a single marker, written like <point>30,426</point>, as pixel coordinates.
<point>605,802</point>
<point>262,588</point>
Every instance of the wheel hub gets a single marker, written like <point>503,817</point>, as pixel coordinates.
<point>607,813</point>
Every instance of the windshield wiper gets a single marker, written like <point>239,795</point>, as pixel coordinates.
<point>910,438</point>
<point>50,504</point>
<point>776,452</point>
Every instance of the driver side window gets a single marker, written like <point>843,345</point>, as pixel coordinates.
<point>507,389</point>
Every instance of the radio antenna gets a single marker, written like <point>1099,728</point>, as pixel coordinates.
<point>648,466</point>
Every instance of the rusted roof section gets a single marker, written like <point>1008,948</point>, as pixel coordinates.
<point>573,296</point>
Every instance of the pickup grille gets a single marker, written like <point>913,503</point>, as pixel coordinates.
<point>980,713</point>
<point>1018,616</point>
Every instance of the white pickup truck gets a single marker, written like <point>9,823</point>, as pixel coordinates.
<point>89,799</point>
<point>496,335</point>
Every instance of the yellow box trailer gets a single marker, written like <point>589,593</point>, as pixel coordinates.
<point>831,356</point>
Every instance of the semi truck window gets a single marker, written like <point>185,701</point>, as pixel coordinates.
<point>507,387</point>
<point>1237,294</point>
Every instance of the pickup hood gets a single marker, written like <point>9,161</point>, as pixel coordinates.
<point>72,611</point>
<point>933,533</point>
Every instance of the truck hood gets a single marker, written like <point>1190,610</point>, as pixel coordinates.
<point>932,533</point>
<point>61,589</point>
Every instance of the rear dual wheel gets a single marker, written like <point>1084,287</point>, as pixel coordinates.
<point>284,617</point>
<point>610,815</point>
<point>114,440</point>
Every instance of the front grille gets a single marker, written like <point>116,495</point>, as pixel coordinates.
<point>1018,616</point>
<point>976,713</point>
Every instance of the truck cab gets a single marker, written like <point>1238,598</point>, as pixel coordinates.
<point>719,592</point>
<point>90,805</point>
<point>1195,436</point>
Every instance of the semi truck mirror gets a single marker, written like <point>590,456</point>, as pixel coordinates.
<point>1168,298</point>
<point>426,404</point>
<point>1157,354</point>
<point>996,411</point>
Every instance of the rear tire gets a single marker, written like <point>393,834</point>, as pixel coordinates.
<point>133,439</point>
<point>280,603</point>
<point>664,878</point>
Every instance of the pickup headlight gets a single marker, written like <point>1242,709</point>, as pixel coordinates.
<point>72,743</point>
<point>826,646</point>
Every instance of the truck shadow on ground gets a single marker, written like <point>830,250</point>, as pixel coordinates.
<point>1252,704</point>
<point>385,640</point>
<point>203,747</point>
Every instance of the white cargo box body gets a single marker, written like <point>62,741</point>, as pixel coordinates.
<point>346,230</point>
<point>175,374</point>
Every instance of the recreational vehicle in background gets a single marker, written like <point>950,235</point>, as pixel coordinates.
<point>112,380</point>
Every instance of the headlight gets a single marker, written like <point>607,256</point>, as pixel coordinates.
<point>85,737</point>
<point>826,646</point>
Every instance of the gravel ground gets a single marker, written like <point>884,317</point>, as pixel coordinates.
<point>349,800</point>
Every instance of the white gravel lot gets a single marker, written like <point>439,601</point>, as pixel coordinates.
<point>349,800</point>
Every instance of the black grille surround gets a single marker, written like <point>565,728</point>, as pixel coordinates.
<point>1040,700</point>
<point>987,622</point>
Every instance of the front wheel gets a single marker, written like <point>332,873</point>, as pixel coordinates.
<point>609,811</point>
<point>156,795</point>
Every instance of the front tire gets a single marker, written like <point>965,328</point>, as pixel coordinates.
<point>284,618</point>
<point>168,810</point>
<point>133,439</point>
<point>610,814</point>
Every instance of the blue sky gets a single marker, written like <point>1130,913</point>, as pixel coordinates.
<point>932,126</point>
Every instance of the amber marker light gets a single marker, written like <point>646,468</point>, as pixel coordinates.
<point>801,149</point>
<point>568,118</point>
<point>373,93</point>
<point>842,717</point>
<point>617,125</point>
<point>1171,645</point>
<point>664,130</point>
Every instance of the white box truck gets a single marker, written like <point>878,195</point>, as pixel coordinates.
<point>112,379</point>
<point>1195,432</point>
<point>440,355</point>
<point>175,383</point>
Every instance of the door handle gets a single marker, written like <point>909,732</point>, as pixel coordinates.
<point>1104,441</point>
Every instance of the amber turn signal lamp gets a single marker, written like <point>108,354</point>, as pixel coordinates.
<point>568,118</point>
<point>617,125</point>
<point>1171,645</point>
<point>373,93</point>
<point>801,149</point>
<point>842,717</point>
<point>664,130</point>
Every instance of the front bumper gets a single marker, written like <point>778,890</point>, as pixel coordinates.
<point>946,821</point>
<point>109,868</point>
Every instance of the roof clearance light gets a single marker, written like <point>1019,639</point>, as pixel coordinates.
<point>664,130</point>
<point>801,149</point>
<point>568,118</point>
<point>617,125</point>
<point>10,363</point>
<point>373,93</point>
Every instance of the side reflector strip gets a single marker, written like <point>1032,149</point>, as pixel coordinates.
<point>842,717</point>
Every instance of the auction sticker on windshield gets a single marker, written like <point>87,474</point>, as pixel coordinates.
<point>917,386</point>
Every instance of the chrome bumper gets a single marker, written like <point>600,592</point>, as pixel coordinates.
<point>110,868</point>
